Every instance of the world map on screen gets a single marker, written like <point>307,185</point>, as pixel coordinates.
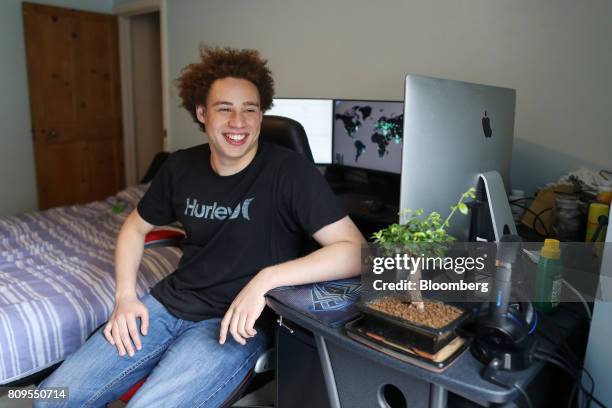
<point>381,129</point>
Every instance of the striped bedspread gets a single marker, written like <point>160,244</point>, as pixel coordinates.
<point>57,279</point>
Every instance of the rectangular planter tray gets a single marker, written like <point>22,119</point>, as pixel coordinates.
<point>424,338</point>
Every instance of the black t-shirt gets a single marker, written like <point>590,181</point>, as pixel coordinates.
<point>235,225</point>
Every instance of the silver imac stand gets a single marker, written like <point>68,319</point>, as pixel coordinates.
<point>501,215</point>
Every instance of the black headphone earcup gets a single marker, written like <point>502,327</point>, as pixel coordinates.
<point>510,331</point>
<point>524,311</point>
<point>520,327</point>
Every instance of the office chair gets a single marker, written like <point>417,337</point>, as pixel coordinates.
<point>287,133</point>
<point>280,131</point>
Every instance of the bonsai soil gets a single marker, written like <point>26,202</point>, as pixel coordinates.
<point>434,314</point>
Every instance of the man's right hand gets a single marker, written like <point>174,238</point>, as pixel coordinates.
<point>121,329</point>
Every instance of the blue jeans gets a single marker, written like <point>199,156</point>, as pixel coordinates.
<point>185,364</point>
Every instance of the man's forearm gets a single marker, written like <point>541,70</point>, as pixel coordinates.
<point>336,261</point>
<point>339,257</point>
<point>128,253</point>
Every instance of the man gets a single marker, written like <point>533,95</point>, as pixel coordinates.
<point>246,207</point>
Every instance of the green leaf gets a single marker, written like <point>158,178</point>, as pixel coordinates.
<point>118,207</point>
<point>463,208</point>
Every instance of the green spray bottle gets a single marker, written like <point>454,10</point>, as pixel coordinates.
<point>548,277</point>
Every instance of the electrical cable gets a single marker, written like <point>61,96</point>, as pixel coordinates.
<point>590,397</point>
<point>555,359</point>
<point>536,215</point>
<point>584,370</point>
<point>542,222</point>
<point>572,395</point>
<point>564,346</point>
<point>524,394</point>
<point>577,293</point>
<point>574,361</point>
<point>537,218</point>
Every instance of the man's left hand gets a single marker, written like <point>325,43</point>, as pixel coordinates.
<point>243,312</point>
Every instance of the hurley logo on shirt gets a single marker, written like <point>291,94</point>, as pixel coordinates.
<point>217,212</point>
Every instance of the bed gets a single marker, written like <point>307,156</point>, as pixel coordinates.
<point>57,280</point>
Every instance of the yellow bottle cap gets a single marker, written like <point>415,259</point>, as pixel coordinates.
<point>551,249</point>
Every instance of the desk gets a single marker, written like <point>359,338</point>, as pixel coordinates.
<point>353,373</point>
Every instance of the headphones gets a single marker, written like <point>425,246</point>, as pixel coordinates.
<point>510,329</point>
<point>506,337</point>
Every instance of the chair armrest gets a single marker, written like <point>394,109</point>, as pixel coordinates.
<point>265,362</point>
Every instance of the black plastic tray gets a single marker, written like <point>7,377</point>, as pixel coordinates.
<point>357,330</point>
<point>425,338</point>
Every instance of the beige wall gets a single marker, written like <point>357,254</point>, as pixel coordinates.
<point>147,89</point>
<point>556,54</point>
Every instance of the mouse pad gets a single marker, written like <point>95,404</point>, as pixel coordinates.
<point>332,303</point>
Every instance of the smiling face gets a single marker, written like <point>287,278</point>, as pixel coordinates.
<point>232,116</point>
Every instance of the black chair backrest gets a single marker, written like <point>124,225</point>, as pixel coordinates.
<point>274,129</point>
<point>287,133</point>
<point>155,165</point>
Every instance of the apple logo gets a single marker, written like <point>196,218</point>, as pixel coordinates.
<point>486,125</point>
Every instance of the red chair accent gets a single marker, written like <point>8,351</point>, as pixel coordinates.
<point>161,237</point>
<point>164,237</point>
<point>130,393</point>
<point>234,396</point>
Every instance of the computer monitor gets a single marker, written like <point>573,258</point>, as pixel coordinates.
<point>315,115</point>
<point>453,131</point>
<point>368,135</point>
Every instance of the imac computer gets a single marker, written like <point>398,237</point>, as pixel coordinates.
<point>368,135</point>
<point>454,132</point>
<point>315,115</point>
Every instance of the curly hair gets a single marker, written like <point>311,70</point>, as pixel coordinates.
<point>218,63</point>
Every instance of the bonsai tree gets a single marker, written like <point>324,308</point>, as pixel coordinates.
<point>420,235</point>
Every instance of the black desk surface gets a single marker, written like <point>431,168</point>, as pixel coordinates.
<point>357,205</point>
<point>462,377</point>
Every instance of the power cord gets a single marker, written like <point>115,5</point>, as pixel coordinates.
<point>577,293</point>
<point>537,216</point>
<point>572,359</point>
<point>574,374</point>
<point>524,394</point>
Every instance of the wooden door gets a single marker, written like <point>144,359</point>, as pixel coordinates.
<point>74,90</point>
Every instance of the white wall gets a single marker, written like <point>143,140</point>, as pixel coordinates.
<point>598,359</point>
<point>17,174</point>
<point>556,54</point>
